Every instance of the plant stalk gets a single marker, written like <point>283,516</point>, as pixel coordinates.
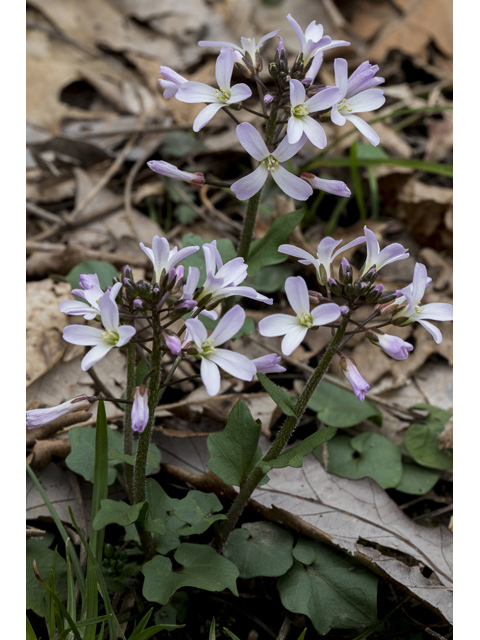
<point>127,429</point>
<point>248,226</point>
<point>281,441</point>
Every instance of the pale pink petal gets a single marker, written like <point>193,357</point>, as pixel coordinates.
<point>297,294</point>
<point>248,186</point>
<point>108,311</point>
<point>366,101</point>
<point>292,185</point>
<point>224,68</point>
<point>276,325</point>
<point>296,252</point>
<point>293,339</point>
<point>297,93</point>
<point>437,311</point>
<point>82,335</point>
<point>365,129</point>
<point>340,67</point>
<point>314,132</point>
<point>205,115</point>
<point>294,129</point>
<point>337,117</point>
<point>95,355</point>
<point>228,326</point>
<point>323,99</point>
<point>239,92</point>
<point>197,331</point>
<point>432,330</point>
<point>192,91</point>
<point>252,141</point>
<point>210,376</point>
<point>236,364</point>
<point>325,313</point>
<point>286,150</point>
<point>125,334</point>
<point>213,43</point>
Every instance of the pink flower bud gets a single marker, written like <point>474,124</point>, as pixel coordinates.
<point>140,410</point>
<point>173,343</point>
<point>269,364</point>
<point>351,373</point>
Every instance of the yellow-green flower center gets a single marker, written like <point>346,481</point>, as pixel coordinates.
<point>300,110</point>
<point>110,336</point>
<point>223,95</point>
<point>305,319</point>
<point>270,163</point>
<point>343,105</point>
<point>207,349</point>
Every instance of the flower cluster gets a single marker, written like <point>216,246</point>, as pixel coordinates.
<point>292,106</point>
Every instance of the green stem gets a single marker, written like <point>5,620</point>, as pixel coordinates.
<point>281,441</point>
<point>127,430</point>
<point>248,226</point>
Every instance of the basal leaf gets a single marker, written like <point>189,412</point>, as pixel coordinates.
<point>416,480</point>
<point>118,512</point>
<point>366,455</point>
<point>197,511</point>
<point>332,590</point>
<point>260,549</point>
<point>44,558</point>
<point>421,441</point>
<point>202,567</point>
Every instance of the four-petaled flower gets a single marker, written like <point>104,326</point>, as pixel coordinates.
<point>378,259</point>
<point>336,187</point>
<point>325,255</point>
<point>39,417</point>
<point>294,328</point>
<point>357,95</point>
<point>249,45</point>
<point>393,346</point>
<point>91,292</point>
<point>163,258</point>
<point>236,364</point>
<point>270,161</point>
<point>313,41</point>
<point>224,96</point>
<point>102,341</point>
<point>300,121</point>
<point>414,312</point>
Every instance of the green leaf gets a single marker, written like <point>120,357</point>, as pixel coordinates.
<point>293,457</point>
<point>154,457</point>
<point>185,214</point>
<point>161,519</point>
<point>180,144</point>
<point>235,450</point>
<point>104,270</point>
<point>413,163</point>
<point>282,398</point>
<point>118,512</point>
<point>416,480</point>
<point>44,557</point>
<point>196,510</point>
<point>224,246</point>
<point>202,567</point>
<point>264,251</point>
<point>331,589</point>
<point>260,549</point>
<point>421,441</point>
<point>368,454</point>
<point>271,279</point>
<point>339,408</point>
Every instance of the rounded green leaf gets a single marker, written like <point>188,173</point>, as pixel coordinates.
<point>366,455</point>
<point>340,408</point>
<point>416,480</point>
<point>421,441</point>
<point>260,549</point>
<point>117,512</point>
<point>202,567</point>
<point>332,590</point>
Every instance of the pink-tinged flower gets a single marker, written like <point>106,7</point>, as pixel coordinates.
<point>174,344</point>
<point>236,364</point>
<point>224,96</point>
<point>269,364</point>
<point>325,255</point>
<point>393,346</point>
<point>313,41</point>
<point>357,96</point>
<point>336,187</point>
<point>171,81</point>
<point>378,259</point>
<point>102,341</point>
<point>414,312</point>
<point>253,143</point>
<point>140,410</point>
<point>294,328</point>
<point>39,417</point>
<point>164,259</point>
<point>359,385</point>
<point>166,169</point>
<point>313,70</point>
<point>300,121</point>
<point>91,292</point>
<point>248,44</point>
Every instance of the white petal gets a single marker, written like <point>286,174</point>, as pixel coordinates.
<point>337,117</point>
<point>192,91</point>
<point>248,186</point>
<point>236,364</point>
<point>432,330</point>
<point>437,311</point>
<point>210,376</point>
<point>205,116</point>
<point>95,355</point>
<point>294,129</point>
<point>239,92</point>
<point>314,132</point>
<point>108,311</point>
<point>325,313</point>
<point>296,252</point>
<point>75,307</point>
<point>125,334</point>
<point>324,99</point>
<point>252,141</point>
<point>292,185</point>
<point>286,150</point>
<point>341,75</point>
<point>297,294</point>
<point>196,331</point>
<point>82,335</point>
<point>224,68</point>
<point>365,129</point>
<point>228,326</point>
<point>276,325</point>
<point>293,339</point>
<point>297,93</point>
<point>367,100</point>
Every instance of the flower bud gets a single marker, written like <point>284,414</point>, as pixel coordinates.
<point>359,385</point>
<point>40,417</point>
<point>335,286</point>
<point>269,364</point>
<point>268,98</point>
<point>173,343</point>
<point>345,272</point>
<point>140,410</point>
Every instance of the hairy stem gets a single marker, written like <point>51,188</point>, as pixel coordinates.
<point>127,429</point>
<point>281,440</point>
